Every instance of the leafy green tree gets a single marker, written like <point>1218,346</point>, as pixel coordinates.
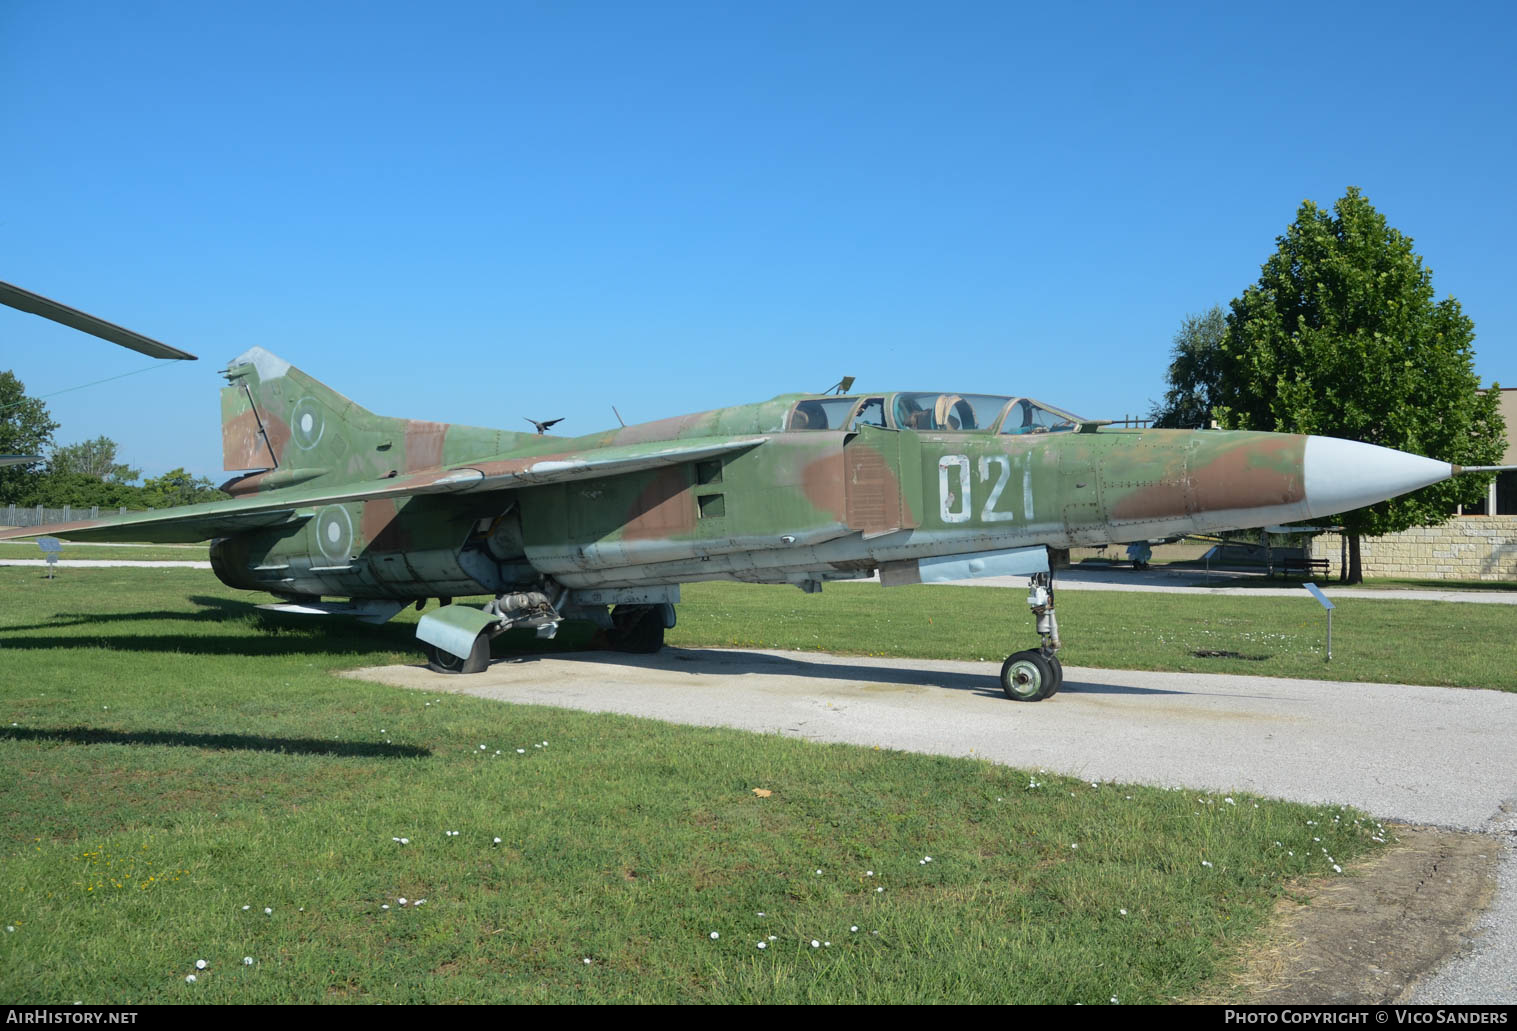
<point>25,429</point>
<point>177,487</point>
<point>1194,369</point>
<point>95,458</point>
<point>1341,336</point>
<point>80,490</point>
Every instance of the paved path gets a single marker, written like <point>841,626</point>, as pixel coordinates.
<point>105,563</point>
<point>1431,755</point>
<point>1229,583</point>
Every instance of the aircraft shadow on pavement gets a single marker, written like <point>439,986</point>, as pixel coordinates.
<point>220,742</point>
<point>723,662</point>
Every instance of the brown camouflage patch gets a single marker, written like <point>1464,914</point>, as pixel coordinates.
<point>1257,473</point>
<point>424,441</point>
<point>380,526</point>
<point>664,508</point>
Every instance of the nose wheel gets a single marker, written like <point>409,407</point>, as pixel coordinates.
<point>1036,674</point>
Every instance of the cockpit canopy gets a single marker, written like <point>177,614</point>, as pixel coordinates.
<point>963,413</point>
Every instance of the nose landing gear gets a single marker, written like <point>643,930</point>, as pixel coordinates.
<point>1035,674</point>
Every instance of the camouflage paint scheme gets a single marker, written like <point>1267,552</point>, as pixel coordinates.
<point>349,504</point>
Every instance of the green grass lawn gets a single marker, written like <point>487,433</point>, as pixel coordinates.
<point>1459,645</point>
<point>171,766</point>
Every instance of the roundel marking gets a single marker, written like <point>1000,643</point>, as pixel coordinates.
<point>307,423</point>
<point>334,532</point>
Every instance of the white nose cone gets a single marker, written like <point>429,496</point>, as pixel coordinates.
<point>1342,475</point>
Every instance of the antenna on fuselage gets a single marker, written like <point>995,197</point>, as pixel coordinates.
<point>618,417</point>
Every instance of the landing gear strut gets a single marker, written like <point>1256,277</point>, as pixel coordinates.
<point>1035,674</point>
<point>638,629</point>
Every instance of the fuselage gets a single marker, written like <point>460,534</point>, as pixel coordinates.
<point>833,488</point>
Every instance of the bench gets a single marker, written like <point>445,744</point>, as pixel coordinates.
<point>1304,566</point>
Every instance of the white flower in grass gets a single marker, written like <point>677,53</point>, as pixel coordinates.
<point>763,945</point>
<point>384,907</point>
<point>189,978</point>
<point>497,841</point>
<point>200,964</point>
<point>521,751</point>
<point>1205,863</point>
<point>246,908</point>
<point>587,961</point>
<point>854,929</point>
<point>1337,868</point>
<point>878,890</point>
<point>267,911</point>
<point>247,961</point>
<point>1122,911</point>
<point>401,901</point>
<point>715,935</point>
<point>815,944</point>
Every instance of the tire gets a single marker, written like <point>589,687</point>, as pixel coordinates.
<point>1027,677</point>
<point>439,661</point>
<point>637,629</point>
<point>1058,676</point>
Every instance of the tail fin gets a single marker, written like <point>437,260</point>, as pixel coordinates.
<point>290,428</point>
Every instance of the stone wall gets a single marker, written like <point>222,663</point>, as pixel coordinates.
<point>1464,548</point>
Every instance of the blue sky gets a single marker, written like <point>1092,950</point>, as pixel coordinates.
<point>478,212</point>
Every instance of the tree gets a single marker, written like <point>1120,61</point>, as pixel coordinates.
<point>25,429</point>
<point>177,487</point>
<point>1341,337</point>
<point>1193,372</point>
<point>95,458</point>
<point>78,490</point>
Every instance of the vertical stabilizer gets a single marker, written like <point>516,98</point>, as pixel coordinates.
<point>288,427</point>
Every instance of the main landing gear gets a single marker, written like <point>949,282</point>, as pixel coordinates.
<point>1036,674</point>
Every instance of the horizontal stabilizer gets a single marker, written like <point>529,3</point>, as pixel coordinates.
<point>189,523</point>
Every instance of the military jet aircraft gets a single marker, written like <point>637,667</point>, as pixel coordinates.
<point>335,502</point>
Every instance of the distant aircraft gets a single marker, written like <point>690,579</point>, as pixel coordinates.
<point>916,486</point>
